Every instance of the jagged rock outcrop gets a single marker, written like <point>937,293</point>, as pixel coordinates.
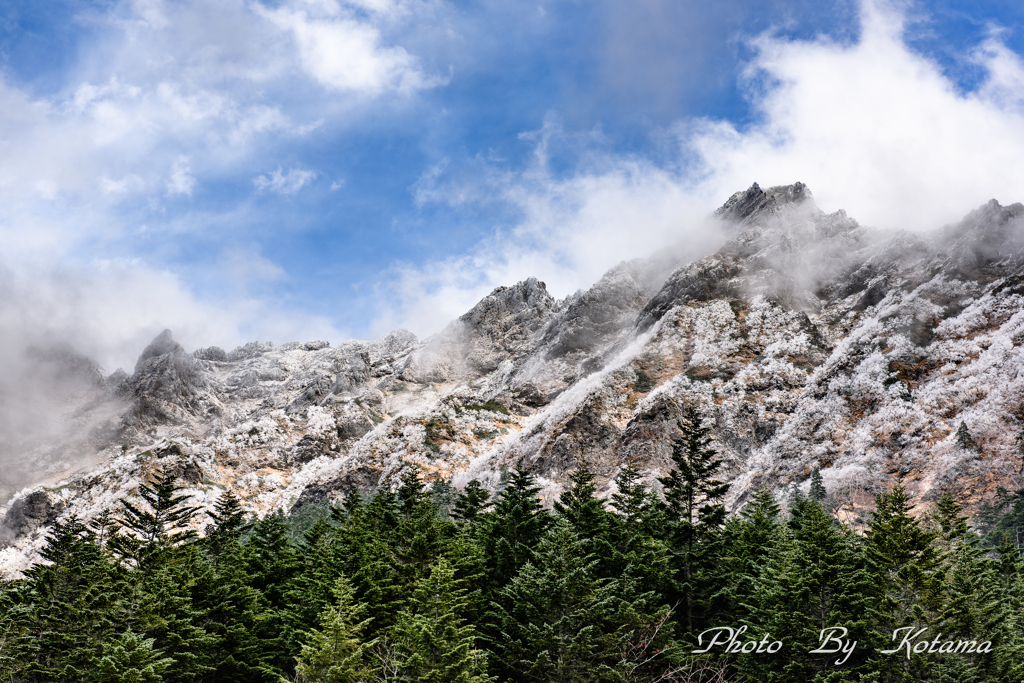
<point>806,341</point>
<point>501,327</point>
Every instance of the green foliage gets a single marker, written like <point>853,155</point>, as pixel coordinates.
<point>435,642</point>
<point>695,514</point>
<point>389,588</point>
<point>132,659</point>
<point>336,652</point>
<point>163,521</point>
<point>643,383</point>
<point>964,440</point>
<point>470,502</point>
<point>817,491</point>
<point>492,406</point>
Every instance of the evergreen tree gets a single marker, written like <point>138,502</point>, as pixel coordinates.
<point>470,502</point>
<point>905,565</point>
<point>160,606</point>
<point>132,659</point>
<point>638,553</point>
<point>161,523</point>
<point>556,621</point>
<point>228,522</point>
<point>65,610</point>
<point>437,644</point>
<point>235,614</point>
<point>693,500</point>
<point>964,440</point>
<point>816,580</point>
<point>514,528</point>
<point>750,538</point>
<point>336,653</point>
<point>578,505</point>
<point>273,562</point>
<point>817,490</point>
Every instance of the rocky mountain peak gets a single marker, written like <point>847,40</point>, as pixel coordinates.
<point>754,204</point>
<point>501,326</point>
<point>161,345</point>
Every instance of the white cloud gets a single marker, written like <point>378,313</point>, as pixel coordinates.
<point>287,182</point>
<point>345,53</point>
<point>110,310</point>
<point>876,128</point>
<point>871,127</point>
<point>181,182</point>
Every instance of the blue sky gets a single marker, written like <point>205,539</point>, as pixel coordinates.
<point>290,169</point>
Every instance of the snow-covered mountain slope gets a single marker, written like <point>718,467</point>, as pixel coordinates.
<point>807,342</point>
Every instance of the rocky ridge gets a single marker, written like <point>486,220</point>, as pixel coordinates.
<point>807,342</point>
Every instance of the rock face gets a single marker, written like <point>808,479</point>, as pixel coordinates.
<point>499,328</point>
<point>806,342</point>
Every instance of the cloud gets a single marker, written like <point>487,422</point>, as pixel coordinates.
<point>288,182</point>
<point>346,54</point>
<point>180,181</point>
<point>169,95</point>
<point>872,126</point>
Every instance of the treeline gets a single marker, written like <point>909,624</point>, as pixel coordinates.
<point>444,587</point>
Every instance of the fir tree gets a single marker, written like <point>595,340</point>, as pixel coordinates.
<point>964,440</point>
<point>637,551</point>
<point>160,605</point>
<point>161,523</point>
<point>514,528</point>
<point>556,620</point>
<point>817,489</point>
<point>470,502</point>
<point>273,562</point>
<point>67,609</point>
<point>132,658</point>
<point>336,652</point>
<point>438,645</point>
<point>578,505</point>
<point>228,521</point>
<point>905,565</point>
<point>693,499</point>
<point>817,580</point>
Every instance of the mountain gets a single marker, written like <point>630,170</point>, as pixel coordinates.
<point>807,342</point>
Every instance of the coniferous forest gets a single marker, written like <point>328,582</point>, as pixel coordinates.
<point>425,583</point>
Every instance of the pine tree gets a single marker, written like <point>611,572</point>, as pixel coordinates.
<point>336,652</point>
<point>432,633</point>
<point>693,499</point>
